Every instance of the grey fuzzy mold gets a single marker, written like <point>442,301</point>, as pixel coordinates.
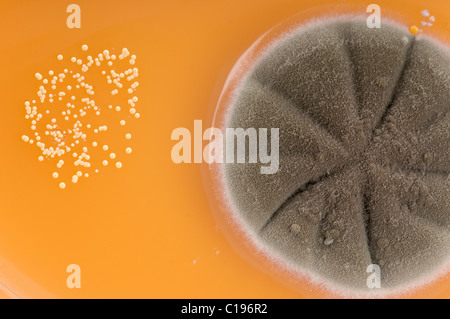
<point>364,167</point>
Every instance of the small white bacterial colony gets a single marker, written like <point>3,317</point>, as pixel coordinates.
<point>67,124</point>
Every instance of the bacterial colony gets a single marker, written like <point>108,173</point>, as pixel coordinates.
<point>70,127</point>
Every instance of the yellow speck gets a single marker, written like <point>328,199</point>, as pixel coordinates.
<point>413,29</point>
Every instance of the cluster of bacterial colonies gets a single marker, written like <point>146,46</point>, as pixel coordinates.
<point>70,126</point>
<point>427,21</point>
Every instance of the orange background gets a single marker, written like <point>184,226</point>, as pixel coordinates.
<point>135,232</point>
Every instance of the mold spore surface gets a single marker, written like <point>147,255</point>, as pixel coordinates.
<point>364,123</point>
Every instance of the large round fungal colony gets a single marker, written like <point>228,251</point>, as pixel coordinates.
<point>364,124</point>
<point>68,123</point>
